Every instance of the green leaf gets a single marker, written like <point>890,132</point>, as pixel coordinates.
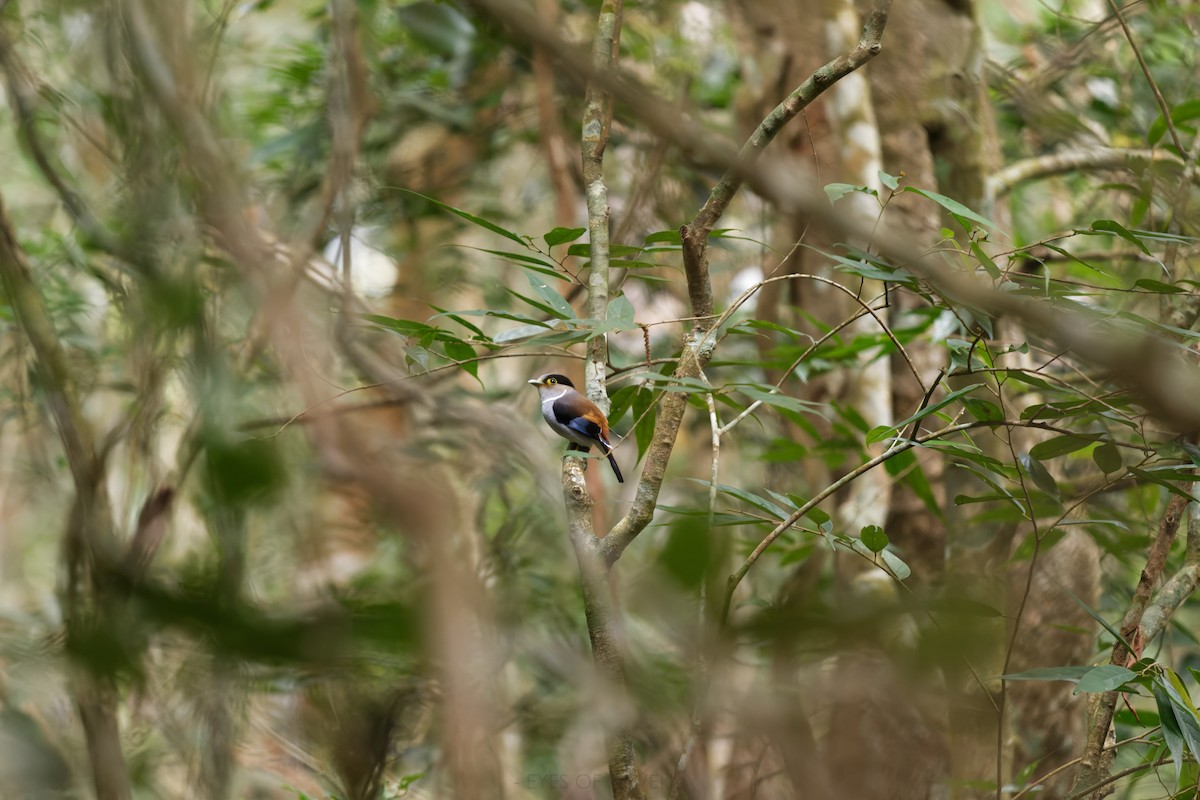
<point>669,383</point>
<point>749,498</point>
<point>1172,733</point>
<point>945,401</point>
<point>1104,678</point>
<point>469,217</point>
<point>451,315</point>
<point>1158,287</point>
<point>836,191</point>
<point>985,261</point>
<point>890,181</point>
<point>462,352</point>
<point>528,262</point>
<point>542,307</point>
<point>1108,458</point>
<point>1181,705</point>
<point>552,298</point>
<point>620,311</point>
<point>1071,674</point>
<point>669,236</point>
<point>644,412</point>
<point>1103,622</point>
<point>874,538</point>
<point>1165,481</point>
<point>823,521</point>
<point>563,235</point>
<point>905,464</point>
<point>982,410</point>
<point>1186,111</point>
<point>780,400</point>
<point>1112,226</point>
<point>1060,446</point>
<point>953,206</point>
<point>404,327</point>
<point>1041,477</point>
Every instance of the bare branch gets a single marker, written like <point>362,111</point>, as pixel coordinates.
<point>1094,158</point>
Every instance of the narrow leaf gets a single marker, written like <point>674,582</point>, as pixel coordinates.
<point>945,401</point>
<point>1112,226</point>
<point>552,298</point>
<point>953,206</point>
<point>469,217</point>
<point>1172,734</point>
<point>1103,622</point>
<point>1072,674</point>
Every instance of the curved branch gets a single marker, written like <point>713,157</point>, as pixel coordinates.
<point>1093,158</point>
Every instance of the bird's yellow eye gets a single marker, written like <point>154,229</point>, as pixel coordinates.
<point>551,381</point>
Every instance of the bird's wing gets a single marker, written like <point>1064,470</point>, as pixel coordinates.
<point>568,414</point>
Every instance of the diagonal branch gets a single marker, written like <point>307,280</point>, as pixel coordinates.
<point>1163,381</point>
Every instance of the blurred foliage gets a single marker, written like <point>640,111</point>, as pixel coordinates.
<point>302,607</point>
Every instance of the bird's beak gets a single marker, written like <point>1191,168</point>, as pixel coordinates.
<point>534,382</point>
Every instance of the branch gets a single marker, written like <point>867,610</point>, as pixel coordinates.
<point>1093,767</point>
<point>828,491</point>
<point>594,571</point>
<point>1095,158</point>
<point>699,345</point>
<point>1158,96</point>
<point>22,99</point>
<point>602,622</point>
<point>1163,381</point>
<point>1179,587</point>
<point>597,118</point>
<point>89,529</point>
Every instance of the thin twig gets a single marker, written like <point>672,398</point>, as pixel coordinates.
<point>1158,96</point>
<point>736,577</point>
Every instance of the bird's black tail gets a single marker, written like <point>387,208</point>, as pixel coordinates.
<point>617,470</point>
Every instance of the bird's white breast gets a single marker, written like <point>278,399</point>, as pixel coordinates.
<point>549,398</point>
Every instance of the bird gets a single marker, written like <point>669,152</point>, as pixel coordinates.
<point>574,417</point>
